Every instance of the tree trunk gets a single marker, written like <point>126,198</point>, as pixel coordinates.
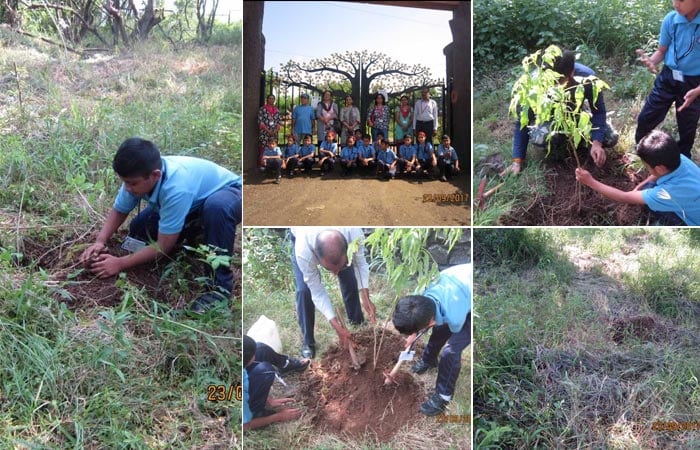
<point>254,63</point>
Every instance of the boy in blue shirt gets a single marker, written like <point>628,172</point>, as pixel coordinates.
<point>386,160</point>
<point>272,159</point>
<point>446,307</point>
<point>291,156</point>
<point>185,195</point>
<point>679,80</point>
<point>672,186</point>
<point>303,118</point>
<point>448,163</point>
<point>261,364</point>
<point>427,162</point>
<point>366,158</point>
<point>348,156</point>
<point>307,153</point>
<point>407,160</point>
<point>327,152</point>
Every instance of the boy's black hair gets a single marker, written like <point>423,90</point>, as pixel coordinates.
<point>306,136</point>
<point>366,136</point>
<point>413,313</point>
<point>659,149</point>
<point>379,133</point>
<point>248,349</point>
<point>358,130</point>
<point>564,64</point>
<point>136,157</point>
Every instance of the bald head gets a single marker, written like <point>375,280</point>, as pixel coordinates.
<point>331,248</point>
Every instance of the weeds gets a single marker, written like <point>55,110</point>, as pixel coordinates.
<point>134,375</point>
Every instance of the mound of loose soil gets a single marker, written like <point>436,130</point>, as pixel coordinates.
<point>78,287</point>
<point>644,328</point>
<point>562,206</point>
<point>347,402</point>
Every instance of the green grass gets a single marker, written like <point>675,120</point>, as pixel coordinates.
<point>134,375</point>
<point>546,372</point>
<point>269,290</point>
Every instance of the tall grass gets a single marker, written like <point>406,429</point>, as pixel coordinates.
<point>546,372</point>
<point>134,375</point>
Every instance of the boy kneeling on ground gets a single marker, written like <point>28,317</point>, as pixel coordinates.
<point>261,364</point>
<point>672,189</point>
<point>185,196</point>
<point>445,306</point>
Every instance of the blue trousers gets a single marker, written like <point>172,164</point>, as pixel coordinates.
<point>451,361</point>
<point>665,92</point>
<point>261,374</point>
<point>216,219</point>
<point>375,131</point>
<point>305,306</point>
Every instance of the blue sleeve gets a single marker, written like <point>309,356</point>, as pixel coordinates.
<point>582,71</point>
<point>666,35</point>
<point>125,202</point>
<point>247,413</point>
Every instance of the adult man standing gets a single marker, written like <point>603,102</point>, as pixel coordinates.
<point>425,117</point>
<point>303,118</point>
<point>312,247</point>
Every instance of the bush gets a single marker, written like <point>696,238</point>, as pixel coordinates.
<point>507,30</point>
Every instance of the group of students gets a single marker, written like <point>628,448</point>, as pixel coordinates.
<point>359,155</point>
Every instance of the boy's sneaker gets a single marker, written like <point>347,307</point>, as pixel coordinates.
<point>294,365</point>
<point>434,405</point>
<point>443,178</point>
<point>277,180</point>
<point>206,302</point>
<point>421,367</point>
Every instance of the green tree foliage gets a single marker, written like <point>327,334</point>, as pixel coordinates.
<point>507,30</point>
<point>538,91</point>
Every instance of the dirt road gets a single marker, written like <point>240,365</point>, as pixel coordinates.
<point>354,201</point>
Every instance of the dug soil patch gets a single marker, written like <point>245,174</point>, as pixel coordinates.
<point>562,207</point>
<point>353,404</point>
<point>170,281</point>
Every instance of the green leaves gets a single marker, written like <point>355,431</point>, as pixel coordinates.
<point>539,92</point>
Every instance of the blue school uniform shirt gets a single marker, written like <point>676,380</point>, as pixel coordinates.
<point>367,151</point>
<point>291,150</point>
<point>303,116</point>
<point>186,182</point>
<point>424,151</point>
<point>332,146</point>
<point>681,37</point>
<point>442,152</point>
<point>247,413</point>
<point>348,153</point>
<point>272,151</point>
<point>407,151</point>
<point>387,156</point>
<point>452,296</point>
<point>305,150</point>
<point>678,192</point>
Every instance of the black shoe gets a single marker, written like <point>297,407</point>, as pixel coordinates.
<point>434,405</point>
<point>421,367</point>
<point>205,302</point>
<point>277,180</point>
<point>443,178</point>
<point>308,351</point>
<point>294,365</point>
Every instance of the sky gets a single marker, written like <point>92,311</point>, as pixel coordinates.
<point>235,7</point>
<point>305,30</point>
